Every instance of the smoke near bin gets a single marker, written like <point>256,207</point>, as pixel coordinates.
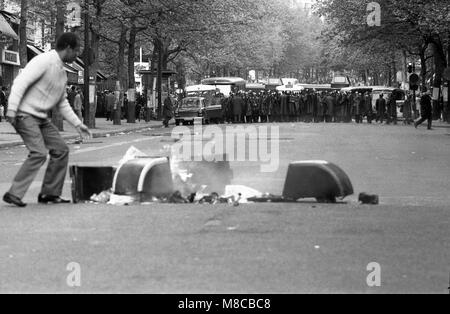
<point>146,179</point>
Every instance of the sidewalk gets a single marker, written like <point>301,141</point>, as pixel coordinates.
<point>9,137</point>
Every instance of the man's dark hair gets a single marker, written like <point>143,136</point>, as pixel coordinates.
<point>67,40</point>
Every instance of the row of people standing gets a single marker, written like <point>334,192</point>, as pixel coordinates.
<point>107,105</point>
<point>307,106</point>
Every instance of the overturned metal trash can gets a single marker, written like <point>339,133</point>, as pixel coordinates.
<point>321,180</point>
<point>90,180</point>
<point>146,178</point>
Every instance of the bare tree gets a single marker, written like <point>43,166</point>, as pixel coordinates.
<point>23,33</point>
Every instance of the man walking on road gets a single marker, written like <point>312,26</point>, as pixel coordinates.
<point>40,87</point>
<point>426,109</point>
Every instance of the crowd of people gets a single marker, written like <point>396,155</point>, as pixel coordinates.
<point>308,106</point>
<point>315,106</point>
<point>106,103</point>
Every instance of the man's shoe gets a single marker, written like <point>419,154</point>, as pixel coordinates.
<point>14,200</point>
<point>45,199</point>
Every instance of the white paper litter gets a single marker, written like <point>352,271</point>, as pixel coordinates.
<point>121,200</point>
<point>132,153</point>
<point>245,191</point>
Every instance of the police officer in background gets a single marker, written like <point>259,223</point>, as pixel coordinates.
<point>381,108</point>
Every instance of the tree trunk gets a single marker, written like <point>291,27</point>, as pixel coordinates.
<point>23,33</point>
<point>131,83</point>
<point>423,63</point>
<point>394,71</point>
<point>376,80</point>
<point>447,101</point>
<point>181,74</point>
<point>57,118</point>
<point>405,66</point>
<point>93,61</point>
<point>159,77</point>
<point>120,76</point>
<point>86,62</point>
<point>440,64</point>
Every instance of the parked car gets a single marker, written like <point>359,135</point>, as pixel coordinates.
<point>190,108</point>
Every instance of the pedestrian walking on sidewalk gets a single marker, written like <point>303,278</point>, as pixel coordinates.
<point>110,103</point>
<point>3,103</point>
<point>29,103</point>
<point>167,111</point>
<point>71,96</point>
<point>78,104</point>
<point>426,109</point>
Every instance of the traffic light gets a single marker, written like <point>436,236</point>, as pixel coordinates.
<point>410,68</point>
<point>414,82</point>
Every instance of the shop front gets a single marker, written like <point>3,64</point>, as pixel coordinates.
<point>9,53</point>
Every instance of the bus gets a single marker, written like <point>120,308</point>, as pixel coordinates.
<point>200,90</point>
<point>319,87</point>
<point>226,85</point>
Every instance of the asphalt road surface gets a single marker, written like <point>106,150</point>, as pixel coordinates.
<point>254,248</point>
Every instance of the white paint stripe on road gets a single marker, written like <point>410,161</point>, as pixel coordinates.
<point>92,149</point>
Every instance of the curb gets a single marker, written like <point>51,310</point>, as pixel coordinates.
<point>99,134</point>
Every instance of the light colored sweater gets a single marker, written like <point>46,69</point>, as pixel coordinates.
<point>41,86</point>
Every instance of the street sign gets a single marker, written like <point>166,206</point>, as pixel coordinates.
<point>74,14</point>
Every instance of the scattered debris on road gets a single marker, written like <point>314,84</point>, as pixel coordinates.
<point>369,199</point>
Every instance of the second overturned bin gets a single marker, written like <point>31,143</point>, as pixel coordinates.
<point>321,180</point>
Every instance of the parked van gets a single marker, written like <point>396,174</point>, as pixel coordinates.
<point>399,94</point>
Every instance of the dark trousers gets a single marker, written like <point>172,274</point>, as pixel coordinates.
<point>381,116</point>
<point>41,138</point>
<point>423,119</point>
